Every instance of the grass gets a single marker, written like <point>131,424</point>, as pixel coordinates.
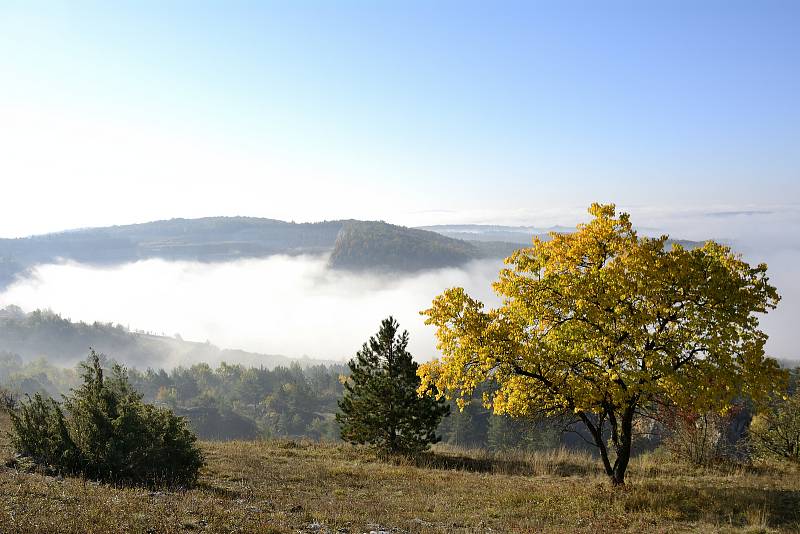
<point>288,486</point>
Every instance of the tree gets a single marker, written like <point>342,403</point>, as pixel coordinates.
<point>380,404</point>
<point>601,324</point>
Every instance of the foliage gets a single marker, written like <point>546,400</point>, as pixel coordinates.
<point>466,428</point>
<point>380,405</point>
<point>775,432</point>
<point>238,402</point>
<point>40,433</point>
<point>103,430</point>
<point>600,322</point>
<point>241,402</point>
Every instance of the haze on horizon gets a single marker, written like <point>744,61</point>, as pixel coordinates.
<point>413,113</point>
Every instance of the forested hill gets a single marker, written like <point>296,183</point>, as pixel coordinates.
<point>386,247</point>
<point>44,334</point>
<point>361,245</point>
<point>206,239</point>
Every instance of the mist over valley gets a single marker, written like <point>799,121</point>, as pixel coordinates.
<point>315,289</point>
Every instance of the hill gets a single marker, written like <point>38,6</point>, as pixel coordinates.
<point>204,239</point>
<point>361,245</point>
<point>386,247</point>
<point>280,486</point>
<point>352,244</point>
<point>44,334</point>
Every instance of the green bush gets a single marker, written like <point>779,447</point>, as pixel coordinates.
<point>104,431</point>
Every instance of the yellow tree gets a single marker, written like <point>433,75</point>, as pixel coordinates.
<point>601,324</point>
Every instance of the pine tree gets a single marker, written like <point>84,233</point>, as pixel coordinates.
<point>381,406</point>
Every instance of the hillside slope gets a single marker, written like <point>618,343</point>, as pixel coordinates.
<point>386,247</point>
<point>204,239</point>
<point>63,342</point>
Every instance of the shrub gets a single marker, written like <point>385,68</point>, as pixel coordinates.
<point>40,433</point>
<point>8,401</point>
<point>103,430</point>
<point>775,433</point>
<point>700,438</point>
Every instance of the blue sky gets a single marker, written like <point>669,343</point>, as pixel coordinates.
<point>412,112</point>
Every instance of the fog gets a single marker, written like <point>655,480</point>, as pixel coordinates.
<point>293,306</point>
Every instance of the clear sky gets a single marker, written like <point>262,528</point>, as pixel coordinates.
<point>411,112</point>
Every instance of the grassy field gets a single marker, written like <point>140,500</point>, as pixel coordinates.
<point>284,486</point>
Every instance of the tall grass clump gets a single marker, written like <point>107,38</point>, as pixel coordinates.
<point>103,430</point>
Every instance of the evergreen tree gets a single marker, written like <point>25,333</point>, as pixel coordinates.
<point>380,404</point>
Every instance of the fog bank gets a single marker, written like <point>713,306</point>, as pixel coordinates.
<point>293,306</point>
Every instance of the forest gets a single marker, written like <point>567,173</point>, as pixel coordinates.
<point>233,401</point>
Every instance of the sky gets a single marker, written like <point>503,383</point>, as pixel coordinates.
<point>410,112</point>
<point>683,113</point>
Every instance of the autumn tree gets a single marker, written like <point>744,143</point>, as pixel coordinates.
<point>380,404</point>
<point>601,324</point>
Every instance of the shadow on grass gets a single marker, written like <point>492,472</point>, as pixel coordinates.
<point>736,505</point>
<point>509,466</point>
<point>218,491</point>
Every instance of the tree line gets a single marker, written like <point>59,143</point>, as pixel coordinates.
<point>234,401</point>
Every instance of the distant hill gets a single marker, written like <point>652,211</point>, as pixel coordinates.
<point>513,235</point>
<point>352,244</point>
<point>46,334</point>
<point>490,232</point>
<point>205,239</point>
<point>361,245</point>
<point>386,247</point>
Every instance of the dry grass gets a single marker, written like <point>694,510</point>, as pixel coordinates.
<point>284,486</point>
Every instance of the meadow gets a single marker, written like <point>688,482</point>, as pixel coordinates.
<point>284,486</point>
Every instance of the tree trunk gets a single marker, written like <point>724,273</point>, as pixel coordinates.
<point>622,437</point>
<point>623,448</point>
<point>597,434</point>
